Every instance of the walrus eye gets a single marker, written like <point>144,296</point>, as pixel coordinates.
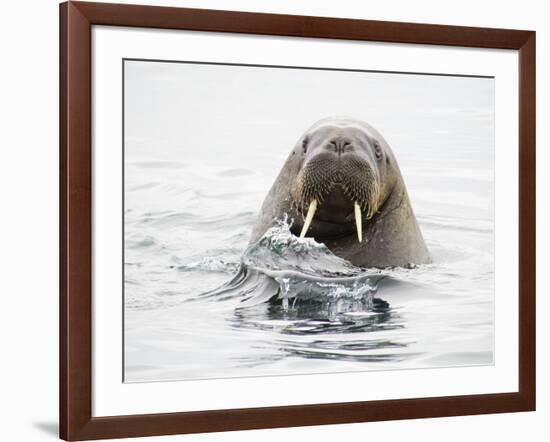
<point>377,150</point>
<point>304,144</point>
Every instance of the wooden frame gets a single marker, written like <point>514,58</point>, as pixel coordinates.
<point>76,421</point>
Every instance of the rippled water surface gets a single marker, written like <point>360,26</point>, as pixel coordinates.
<point>203,146</point>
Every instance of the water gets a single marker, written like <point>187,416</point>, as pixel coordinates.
<point>200,302</point>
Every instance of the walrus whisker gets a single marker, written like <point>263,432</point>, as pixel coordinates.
<point>358,221</point>
<point>309,217</point>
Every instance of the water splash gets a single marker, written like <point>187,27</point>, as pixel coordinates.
<point>282,268</point>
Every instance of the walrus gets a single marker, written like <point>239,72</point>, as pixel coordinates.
<point>342,186</point>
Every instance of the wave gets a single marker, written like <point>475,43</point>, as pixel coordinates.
<point>282,268</point>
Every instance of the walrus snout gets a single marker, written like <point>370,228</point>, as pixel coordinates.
<point>337,185</point>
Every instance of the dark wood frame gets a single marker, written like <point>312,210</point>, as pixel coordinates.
<point>76,421</point>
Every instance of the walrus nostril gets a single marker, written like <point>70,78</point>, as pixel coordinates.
<point>339,145</point>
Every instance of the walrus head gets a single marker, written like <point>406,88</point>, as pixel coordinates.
<point>345,175</point>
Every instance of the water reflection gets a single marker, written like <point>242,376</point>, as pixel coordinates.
<point>324,330</point>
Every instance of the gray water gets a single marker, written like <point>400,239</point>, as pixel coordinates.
<point>204,144</point>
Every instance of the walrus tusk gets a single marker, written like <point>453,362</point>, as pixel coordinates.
<point>309,217</point>
<point>358,222</point>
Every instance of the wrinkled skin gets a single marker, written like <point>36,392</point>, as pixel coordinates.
<point>340,162</point>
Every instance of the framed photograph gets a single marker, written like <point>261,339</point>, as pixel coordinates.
<point>275,220</point>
